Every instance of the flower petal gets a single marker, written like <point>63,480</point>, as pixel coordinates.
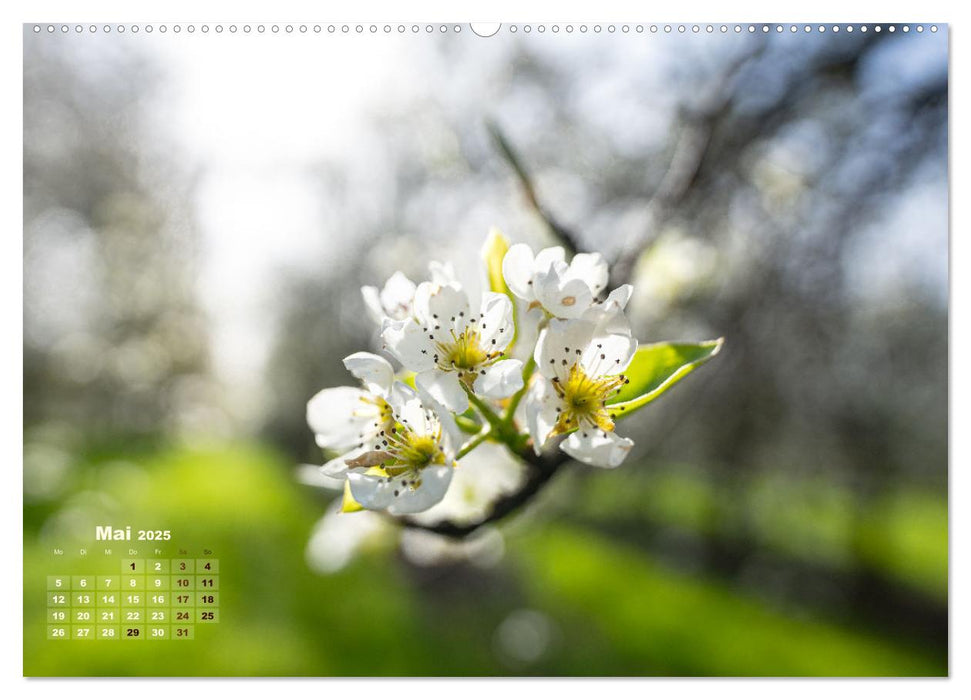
<point>619,297</point>
<point>375,372</point>
<point>372,300</point>
<point>445,388</point>
<point>397,296</point>
<point>434,484</point>
<point>590,268</point>
<point>557,348</point>
<point>313,475</point>
<point>409,344</point>
<point>527,333</point>
<point>540,406</point>
<point>441,309</point>
<point>495,321</point>
<point>564,298</point>
<point>369,490</point>
<point>339,415</point>
<point>597,448</point>
<point>609,316</point>
<point>547,257</point>
<point>337,467</point>
<point>400,495</point>
<point>337,538</point>
<point>442,274</point>
<point>408,408</point>
<point>517,270</point>
<point>500,380</point>
<point>608,354</point>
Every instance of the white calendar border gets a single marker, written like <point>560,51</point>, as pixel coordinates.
<point>830,11</point>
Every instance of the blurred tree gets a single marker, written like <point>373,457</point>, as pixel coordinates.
<point>114,341</point>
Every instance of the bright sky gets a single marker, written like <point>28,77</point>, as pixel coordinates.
<point>257,112</point>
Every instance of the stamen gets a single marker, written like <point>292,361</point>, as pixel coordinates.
<point>584,400</point>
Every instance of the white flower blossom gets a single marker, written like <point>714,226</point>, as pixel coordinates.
<point>338,537</point>
<point>406,467</point>
<point>484,549</point>
<point>395,301</point>
<point>449,347</point>
<point>344,417</point>
<point>581,363</point>
<point>564,291</point>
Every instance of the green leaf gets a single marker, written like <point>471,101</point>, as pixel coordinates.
<point>656,368</point>
<point>348,504</point>
<point>493,251</point>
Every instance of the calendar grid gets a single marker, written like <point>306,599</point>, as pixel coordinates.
<point>148,598</point>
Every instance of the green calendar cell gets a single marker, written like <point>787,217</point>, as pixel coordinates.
<point>133,632</point>
<point>183,632</point>
<point>183,566</point>
<point>207,616</point>
<point>207,566</point>
<point>108,583</point>
<point>108,599</point>
<point>156,566</point>
<point>57,615</point>
<point>59,599</point>
<point>183,583</point>
<point>183,615</point>
<point>157,583</point>
<point>83,583</point>
<point>83,616</point>
<point>83,600</point>
<point>157,615</point>
<point>58,632</point>
<point>158,599</point>
<point>206,599</point>
<point>132,599</point>
<point>82,632</point>
<point>132,616</point>
<point>207,583</point>
<point>133,583</point>
<point>108,615</point>
<point>183,598</point>
<point>158,632</point>
<point>133,566</point>
<point>58,583</point>
<point>108,632</point>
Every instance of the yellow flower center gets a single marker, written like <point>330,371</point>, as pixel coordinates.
<point>402,449</point>
<point>418,451</point>
<point>465,354</point>
<point>584,401</point>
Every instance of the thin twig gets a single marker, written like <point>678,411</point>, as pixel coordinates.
<point>567,237</point>
<point>540,470</point>
<point>686,160</point>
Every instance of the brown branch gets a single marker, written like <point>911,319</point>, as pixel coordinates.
<point>686,161</point>
<point>540,469</point>
<point>566,236</point>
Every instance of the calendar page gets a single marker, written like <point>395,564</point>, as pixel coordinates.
<point>424,349</point>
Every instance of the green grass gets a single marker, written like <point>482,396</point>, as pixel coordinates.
<point>903,534</point>
<point>650,620</point>
<point>612,609</point>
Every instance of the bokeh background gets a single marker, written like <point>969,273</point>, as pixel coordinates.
<point>201,210</point>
